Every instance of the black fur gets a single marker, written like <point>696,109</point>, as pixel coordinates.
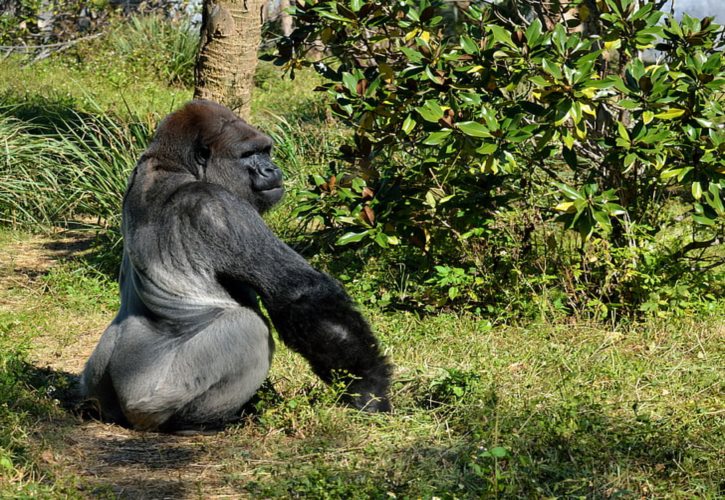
<point>189,345</point>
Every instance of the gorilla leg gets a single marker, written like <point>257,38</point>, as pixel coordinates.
<point>204,378</point>
<point>96,385</point>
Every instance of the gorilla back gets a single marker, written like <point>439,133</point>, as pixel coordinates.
<point>189,346</point>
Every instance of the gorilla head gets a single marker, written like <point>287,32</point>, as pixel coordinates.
<point>190,345</point>
<point>218,147</point>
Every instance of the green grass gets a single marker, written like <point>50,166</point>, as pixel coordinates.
<point>546,410</point>
<point>84,87</point>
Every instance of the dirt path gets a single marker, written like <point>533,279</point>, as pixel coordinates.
<point>100,460</point>
<point>23,265</point>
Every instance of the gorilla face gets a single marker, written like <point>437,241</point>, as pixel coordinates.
<point>240,160</point>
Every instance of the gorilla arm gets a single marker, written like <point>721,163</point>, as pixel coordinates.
<point>310,310</point>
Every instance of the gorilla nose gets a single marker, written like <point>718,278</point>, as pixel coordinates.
<point>270,172</point>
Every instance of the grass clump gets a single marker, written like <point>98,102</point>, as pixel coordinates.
<point>174,51</point>
<point>76,171</point>
<point>25,398</point>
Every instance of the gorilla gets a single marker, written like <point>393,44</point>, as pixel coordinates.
<point>190,345</point>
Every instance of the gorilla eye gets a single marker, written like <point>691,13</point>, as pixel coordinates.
<point>265,151</point>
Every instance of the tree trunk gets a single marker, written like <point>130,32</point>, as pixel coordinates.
<point>285,20</point>
<point>230,34</point>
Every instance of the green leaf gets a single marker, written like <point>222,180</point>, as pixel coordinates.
<point>704,220</point>
<point>562,110</point>
<point>498,452</point>
<point>696,190</point>
<point>552,69</point>
<point>533,33</point>
<point>614,210</point>
<point>674,172</point>
<point>474,129</point>
<point>430,199</point>
<point>408,125</point>
<point>501,35</point>
<point>431,111</point>
<point>602,219</point>
<point>412,55</point>
<point>629,104</point>
<point>350,82</point>
<point>331,15</point>
<point>623,131</point>
<point>351,237</point>
<point>602,84</point>
<point>433,78</point>
<point>436,138</point>
<point>670,114</point>
<point>487,149</point>
<point>705,123</point>
<point>468,45</point>
<point>569,192</point>
<point>382,240</point>
<point>539,80</point>
<point>713,199</point>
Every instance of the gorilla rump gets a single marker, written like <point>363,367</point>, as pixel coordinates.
<point>189,346</point>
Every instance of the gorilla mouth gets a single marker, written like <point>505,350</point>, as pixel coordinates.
<point>272,194</point>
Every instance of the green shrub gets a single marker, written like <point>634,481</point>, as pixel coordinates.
<point>471,139</point>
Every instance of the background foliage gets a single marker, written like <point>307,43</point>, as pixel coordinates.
<point>472,138</point>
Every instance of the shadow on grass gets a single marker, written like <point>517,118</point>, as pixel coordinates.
<point>569,451</point>
<point>109,460</point>
<point>133,488</point>
<point>100,250</point>
<point>43,114</point>
<point>571,448</point>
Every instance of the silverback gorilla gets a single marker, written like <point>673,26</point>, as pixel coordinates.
<point>190,345</point>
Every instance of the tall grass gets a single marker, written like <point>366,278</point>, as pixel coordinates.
<point>168,47</point>
<point>31,186</point>
<point>74,173</point>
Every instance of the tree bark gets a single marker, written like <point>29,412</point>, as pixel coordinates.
<point>285,20</point>
<point>230,35</point>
